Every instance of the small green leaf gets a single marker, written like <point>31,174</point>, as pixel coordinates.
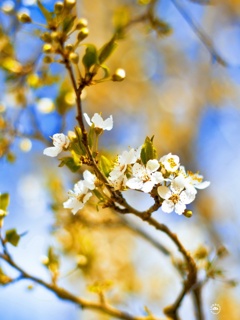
<point>12,237</point>
<point>4,201</point>
<point>148,152</point>
<point>79,137</point>
<point>68,23</point>
<point>47,14</point>
<point>105,165</point>
<point>91,57</point>
<point>120,20</point>
<point>70,163</point>
<point>4,279</point>
<point>91,136</point>
<point>105,52</point>
<point>98,195</point>
<point>106,72</point>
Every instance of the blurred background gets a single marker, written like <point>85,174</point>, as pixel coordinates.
<point>182,86</point>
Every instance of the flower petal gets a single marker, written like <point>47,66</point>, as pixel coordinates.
<point>152,165</point>
<point>134,183</point>
<point>52,151</point>
<point>167,206</point>
<point>164,192</point>
<point>108,123</point>
<point>98,121</point>
<point>87,119</point>
<point>147,186</point>
<point>180,207</point>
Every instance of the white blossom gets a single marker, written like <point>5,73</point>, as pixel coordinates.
<point>175,197</point>
<point>78,197</point>
<point>60,142</point>
<point>170,162</point>
<point>89,179</point>
<point>145,178</point>
<point>117,176</point>
<point>193,181</point>
<point>98,122</point>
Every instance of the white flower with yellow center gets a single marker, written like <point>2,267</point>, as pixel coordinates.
<point>193,181</point>
<point>175,197</point>
<point>78,197</point>
<point>98,122</point>
<point>60,142</point>
<point>145,178</point>
<point>81,193</point>
<point>117,176</point>
<point>170,162</point>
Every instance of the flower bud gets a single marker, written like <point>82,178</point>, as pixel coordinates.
<point>119,75</point>
<point>83,34</point>
<point>46,37</point>
<point>47,48</point>
<point>187,213</point>
<point>24,17</point>
<point>81,23</point>
<point>74,57</point>
<point>47,59</point>
<point>55,36</point>
<point>69,4</point>
<point>58,7</point>
<point>69,47</point>
<point>8,7</point>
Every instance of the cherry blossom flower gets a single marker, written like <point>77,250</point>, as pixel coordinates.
<point>98,122</point>
<point>89,179</point>
<point>170,162</point>
<point>60,142</point>
<point>175,197</point>
<point>81,193</point>
<point>145,178</point>
<point>78,197</point>
<point>193,181</point>
<point>117,176</point>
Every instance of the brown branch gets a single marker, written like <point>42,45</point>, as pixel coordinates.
<point>66,295</point>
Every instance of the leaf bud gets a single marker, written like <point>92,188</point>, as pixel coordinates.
<point>119,75</point>
<point>58,7</point>
<point>74,57</point>
<point>83,34</point>
<point>81,23</point>
<point>47,59</point>
<point>201,253</point>
<point>69,4</point>
<point>46,37</point>
<point>47,48</point>
<point>24,17</point>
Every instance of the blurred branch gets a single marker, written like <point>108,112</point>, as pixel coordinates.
<point>202,35</point>
<point>63,294</point>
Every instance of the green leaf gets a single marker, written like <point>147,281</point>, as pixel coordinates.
<point>4,201</point>
<point>91,136</point>
<point>4,279</point>
<point>105,165</point>
<point>120,20</point>
<point>79,137</point>
<point>68,23</point>
<point>148,152</point>
<point>105,52</point>
<point>47,14</point>
<point>98,194</point>
<point>70,163</point>
<point>12,237</point>
<point>91,57</point>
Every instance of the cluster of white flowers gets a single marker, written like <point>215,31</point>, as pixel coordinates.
<point>81,192</point>
<point>174,185</point>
